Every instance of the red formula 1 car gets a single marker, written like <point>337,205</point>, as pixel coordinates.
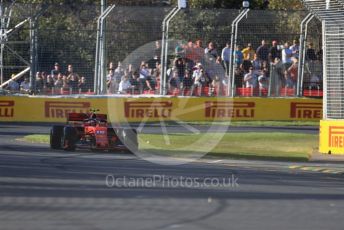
<point>92,131</point>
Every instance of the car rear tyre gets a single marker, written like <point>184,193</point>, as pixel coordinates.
<point>55,137</point>
<point>68,139</point>
<point>130,139</point>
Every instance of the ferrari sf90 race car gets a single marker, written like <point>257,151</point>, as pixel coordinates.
<point>92,131</point>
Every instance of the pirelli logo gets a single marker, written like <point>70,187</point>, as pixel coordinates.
<point>161,109</point>
<point>228,109</point>
<point>6,108</point>
<point>305,110</point>
<point>59,109</point>
<point>336,136</point>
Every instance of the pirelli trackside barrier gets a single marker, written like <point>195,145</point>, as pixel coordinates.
<point>36,109</point>
<point>331,137</point>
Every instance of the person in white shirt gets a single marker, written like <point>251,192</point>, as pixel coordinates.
<point>200,78</point>
<point>124,85</point>
<point>250,79</point>
<point>287,53</point>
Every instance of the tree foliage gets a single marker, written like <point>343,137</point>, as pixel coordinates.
<point>227,4</point>
<point>254,4</point>
<point>285,4</point>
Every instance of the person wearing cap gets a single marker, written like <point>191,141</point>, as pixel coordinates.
<point>200,78</point>
<point>56,70</point>
<point>274,52</point>
<point>248,52</point>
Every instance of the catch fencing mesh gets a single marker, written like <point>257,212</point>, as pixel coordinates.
<point>66,35</point>
<point>331,13</point>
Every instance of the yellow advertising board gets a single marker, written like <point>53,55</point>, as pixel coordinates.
<point>331,137</point>
<point>39,109</point>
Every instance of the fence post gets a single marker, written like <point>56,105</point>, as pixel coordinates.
<point>33,54</point>
<point>164,48</point>
<point>302,53</point>
<point>271,80</point>
<point>34,48</point>
<point>234,34</point>
<point>99,73</point>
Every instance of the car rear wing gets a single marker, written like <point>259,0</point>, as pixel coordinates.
<point>77,116</point>
<point>83,116</point>
<point>102,117</point>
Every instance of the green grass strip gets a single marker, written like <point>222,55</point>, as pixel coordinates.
<point>250,145</point>
<point>261,145</point>
<point>36,138</point>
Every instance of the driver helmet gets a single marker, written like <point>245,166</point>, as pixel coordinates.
<point>93,122</point>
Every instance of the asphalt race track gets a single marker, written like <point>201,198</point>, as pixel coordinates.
<point>44,189</point>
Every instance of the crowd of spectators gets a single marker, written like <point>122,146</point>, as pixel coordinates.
<point>132,81</point>
<point>193,70</point>
<point>56,82</point>
<point>252,68</point>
